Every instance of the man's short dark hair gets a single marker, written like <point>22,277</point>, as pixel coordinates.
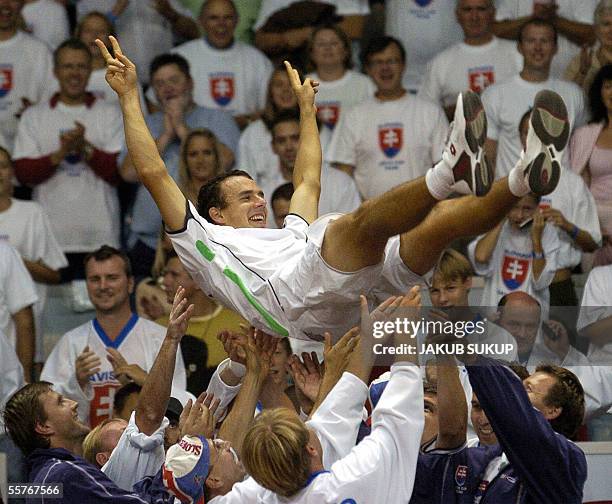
<point>538,22</point>
<point>123,393</point>
<point>71,43</point>
<point>284,191</point>
<point>567,393</point>
<point>104,253</point>
<point>379,44</point>
<point>169,59</point>
<point>21,414</point>
<point>211,195</point>
<point>289,115</point>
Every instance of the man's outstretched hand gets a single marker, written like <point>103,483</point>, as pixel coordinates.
<point>120,71</point>
<point>305,91</point>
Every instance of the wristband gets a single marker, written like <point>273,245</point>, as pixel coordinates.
<point>538,255</point>
<point>574,232</point>
<point>238,369</point>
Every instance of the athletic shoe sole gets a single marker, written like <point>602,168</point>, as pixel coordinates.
<point>479,177</point>
<point>551,125</point>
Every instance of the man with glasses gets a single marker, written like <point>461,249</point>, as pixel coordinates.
<point>392,137</point>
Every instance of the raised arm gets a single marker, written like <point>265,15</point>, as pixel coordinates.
<point>155,393</point>
<point>259,349</point>
<point>121,76</point>
<point>307,170</point>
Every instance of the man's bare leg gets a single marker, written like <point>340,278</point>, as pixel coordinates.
<point>358,239</point>
<point>448,220</point>
<point>420,248</point>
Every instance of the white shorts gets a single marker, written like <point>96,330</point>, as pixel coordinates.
<point>317,297</point>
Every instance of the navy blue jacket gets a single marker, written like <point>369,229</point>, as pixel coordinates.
<point>84,483</point>
<point>545,467</point>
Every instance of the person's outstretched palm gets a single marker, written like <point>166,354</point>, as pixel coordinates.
<point>120,71</point>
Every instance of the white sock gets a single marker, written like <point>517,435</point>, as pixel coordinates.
<point>516,180</point>
<point>439,180</point>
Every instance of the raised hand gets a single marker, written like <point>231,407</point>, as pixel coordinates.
<point>305,92</point>
<point>179,316</point>
<point>198,418</point>
<point>307,374</point>
<point>337,357</point>
<point>120,71</point>
<point>124,371</point>
<point>259,348</point>
<point>233,344</point>
<point>87,364</point>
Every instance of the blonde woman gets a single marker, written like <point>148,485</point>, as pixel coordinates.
<point>199,162</point>
<point>583,68</point>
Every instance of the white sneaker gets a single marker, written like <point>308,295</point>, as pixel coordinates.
<point>464,152</point>
<point>547,137</point>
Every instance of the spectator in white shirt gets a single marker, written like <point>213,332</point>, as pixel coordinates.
<point>394,136</point>
<point>505,103</point>
<point>330,62</point>
<point>478,61</point>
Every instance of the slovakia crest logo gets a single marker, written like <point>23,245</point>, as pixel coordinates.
<point>461,475</point>
<point>6,79</point>
<point>514,271</point>
<point>328,113</point>
<point>422,3</point>
<point>222,88</point>
<point>391,139</point>
<point>480,78</point>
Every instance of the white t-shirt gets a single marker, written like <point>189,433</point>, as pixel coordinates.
<point>389,142</point>
<point>338,191</point>
<point>11,372</point>
<point>597,305</point>
<point>581,11</point>
<point>506,103</point>
<point>343,8</point>
<point>573,198</point>
<point>425,28</point>
<point>335,96</point>
<point>17,289</point>
<point>47,20</point>
<point>142,31</point>
<point>509,268</point>
<point>26,71</point>
<point>463,66</point>
<point>233,79</point>
<point>26,227</point>
<point>139,342</point>
<point>83,208</point>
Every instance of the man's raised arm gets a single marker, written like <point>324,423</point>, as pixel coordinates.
<point>121,76</point>
<point>307,170</point>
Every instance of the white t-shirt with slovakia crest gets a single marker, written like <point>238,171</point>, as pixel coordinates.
<point>509,268</point>
<point>463,66</point>
<point>388,142</point>
<point>26,71</point>
<point>340,95</point>
<point>233,79</point>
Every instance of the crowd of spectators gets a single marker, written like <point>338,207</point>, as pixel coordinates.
<point>216,97</point>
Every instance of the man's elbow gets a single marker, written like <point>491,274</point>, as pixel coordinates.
<point>148,420</point>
